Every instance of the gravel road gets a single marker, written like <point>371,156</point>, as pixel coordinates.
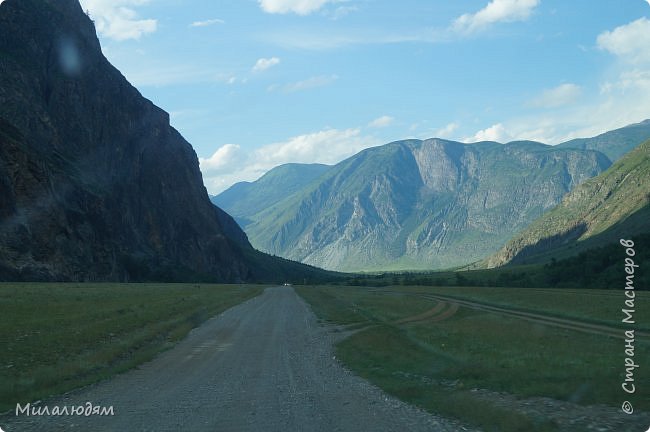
<point>264,365</point>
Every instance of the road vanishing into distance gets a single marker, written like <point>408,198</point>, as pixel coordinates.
<point>264,365</point>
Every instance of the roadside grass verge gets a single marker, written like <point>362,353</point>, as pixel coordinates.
<point>588,305</point>
<point>57,337</point>
<point>440,365</point>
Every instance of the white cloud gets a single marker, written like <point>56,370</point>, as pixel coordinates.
<point>495,132</point>
<point>552,128</point>
<point>496,11</point>
<point>633,80</point>
<point>309,83</point>
<point>265,63</point>
<point>231,164</point>
<point>116,19</point>
<point>561,95</point>
<point>629,42</point>
<point>207,23</point>
<point>624,98</point>
<point>326,146</point>
<point>381,122</point>
<point>621,102</point>
<point>446,131</point>
<point>223,160</point>
<point>300,7</point>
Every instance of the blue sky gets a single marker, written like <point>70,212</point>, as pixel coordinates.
<point>252,84</point>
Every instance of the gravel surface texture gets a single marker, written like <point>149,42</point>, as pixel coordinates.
<point>264,365</point>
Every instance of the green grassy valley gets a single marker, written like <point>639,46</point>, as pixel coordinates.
<point>57,337</point>
<point>488,367</point>
<point>384,220</point>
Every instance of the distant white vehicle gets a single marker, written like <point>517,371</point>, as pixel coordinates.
<point>287,284</point>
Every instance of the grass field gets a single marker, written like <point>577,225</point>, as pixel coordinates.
<point>56,337</point>
<point>441,364</point>
<point>599,306</point>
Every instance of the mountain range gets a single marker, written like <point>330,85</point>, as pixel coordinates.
<point>246,198</point>
<point>602,210</point>
<point>416,204</point>
<point>613,144</point>
<point>95,185</point>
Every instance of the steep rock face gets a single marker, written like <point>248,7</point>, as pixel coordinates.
<point>420,204</point>
<point>618,199</point>
<point>94,183</point>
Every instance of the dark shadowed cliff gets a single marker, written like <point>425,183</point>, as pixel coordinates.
<point>94,182</point>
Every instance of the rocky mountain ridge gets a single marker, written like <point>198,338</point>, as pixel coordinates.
<point>613,144</point>
<point>613,205</point>
<point>420,204</point>
<point>246,198</point>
